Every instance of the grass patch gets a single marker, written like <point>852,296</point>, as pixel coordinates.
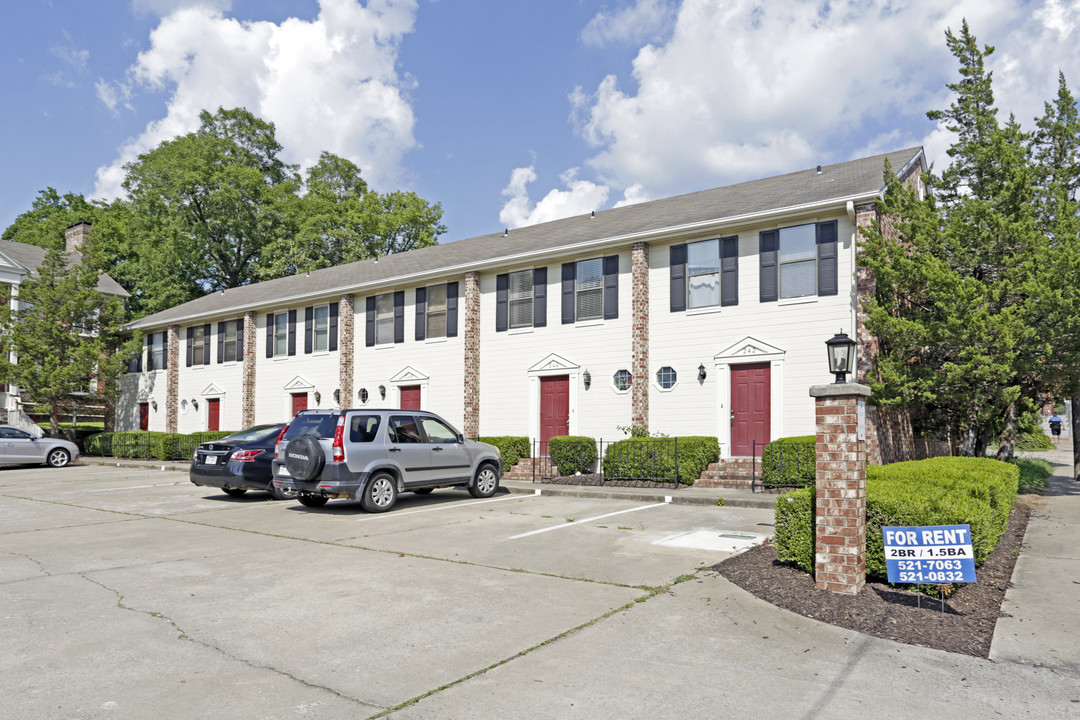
<point>1033,474</point>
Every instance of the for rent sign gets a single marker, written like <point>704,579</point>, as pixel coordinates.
<point>933,555</point>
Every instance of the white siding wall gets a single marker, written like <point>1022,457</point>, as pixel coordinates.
<point>277,378</point>
<point>509,392</point>
<point>200,383</point>
<point>138,388</point>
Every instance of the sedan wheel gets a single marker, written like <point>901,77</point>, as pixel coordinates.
<point>58,457</point>
<point>380,494</point>
<point>486,483</point>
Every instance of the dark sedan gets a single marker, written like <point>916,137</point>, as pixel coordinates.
<point>239,462</point>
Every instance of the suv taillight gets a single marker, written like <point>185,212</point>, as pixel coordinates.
<point>278,442</point>
<point>339,440</point>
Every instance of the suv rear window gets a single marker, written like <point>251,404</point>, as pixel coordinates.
<point>319,425</point>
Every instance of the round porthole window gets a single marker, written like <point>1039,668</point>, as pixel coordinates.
<point>666,377</point>
<point>363,396</point>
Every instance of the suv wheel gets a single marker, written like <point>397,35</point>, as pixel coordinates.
<point>309,500</point>
<point>380,493</point>
<point>485,483</point>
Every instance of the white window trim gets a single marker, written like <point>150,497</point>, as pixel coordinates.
<point>656,382</point>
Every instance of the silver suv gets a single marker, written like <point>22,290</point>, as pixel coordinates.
<point>373,455</point>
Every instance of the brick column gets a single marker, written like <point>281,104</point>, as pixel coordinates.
<point>346,350</point>
<point>247,394</point>
<point>639,412</point>
<point>840,510</point>
<point>471,335</point>
<point>172,378</point>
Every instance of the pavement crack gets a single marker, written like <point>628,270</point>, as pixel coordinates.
<point>184,636</point>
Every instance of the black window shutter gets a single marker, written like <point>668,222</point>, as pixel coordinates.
<point>611,287</point>
<point>292,332</point>
<point>269,335</point>
<point>421,313</point>
<point>206,344</point>
<point>240,339</point>
<point>369,329</point>
<point>729,271</point>
<point>309,322</point>
<point>165,350</point>
<point>540,297</point>
<point>190,354</point>
<point>769,241</point>
<point>502,310</point>
<point>332,341</point>
<point>399,316</point>
<point>569,275</point>
<point>220,342</point>
<point>678,277</point>
<point>451,309</point>
<point>827,257</point>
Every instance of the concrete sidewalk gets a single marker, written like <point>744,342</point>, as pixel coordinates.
<point>1041,623</point>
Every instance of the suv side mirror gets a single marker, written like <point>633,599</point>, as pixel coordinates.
<point>461,438</point>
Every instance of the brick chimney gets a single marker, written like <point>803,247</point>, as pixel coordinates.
<point>75,236</point>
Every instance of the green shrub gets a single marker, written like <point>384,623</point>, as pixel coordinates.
<point>794,532</point>
<point>180,446</point>
<point>789,462</point>
<point>660,459</point>
<point>512,447</point>
<point>573,454</point>
<point>133,443</point>
<point>149,445</point>
<point>979,492</point>
<point>98,444</point>
<point>1033,441</point>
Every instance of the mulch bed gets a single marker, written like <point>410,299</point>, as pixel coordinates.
<point>887,611</point>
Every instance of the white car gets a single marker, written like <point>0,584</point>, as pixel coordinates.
<point>18,447</point>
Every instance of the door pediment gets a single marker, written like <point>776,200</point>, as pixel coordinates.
<point>553,363</point>
<point>749,348</point>
<point>299,383</point>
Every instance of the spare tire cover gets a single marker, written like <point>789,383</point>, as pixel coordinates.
<point>304,457</point>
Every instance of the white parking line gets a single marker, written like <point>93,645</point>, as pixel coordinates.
<point>122,489</point>
<point>586,520</point>
<point>448,507</point>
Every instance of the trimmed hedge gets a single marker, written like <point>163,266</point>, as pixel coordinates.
<point>789,462</point>
<point>979,492</point>
<point>573,454</point>
<point>512,447</point>
<point>655,458</point>
<point>149,444</point>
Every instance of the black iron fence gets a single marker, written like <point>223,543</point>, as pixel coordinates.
<point>784,465</point>
<point>641,462</point>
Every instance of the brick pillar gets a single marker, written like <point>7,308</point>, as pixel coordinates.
<point>840,511</point>
<point>346,350</point>
<point>247,394</point>
<point>172,378</point>
<point>472,354</point>
<point>639,413</point>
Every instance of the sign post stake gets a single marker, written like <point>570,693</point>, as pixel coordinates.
<point>840,507</point>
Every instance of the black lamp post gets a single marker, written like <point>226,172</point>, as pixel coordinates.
<point>841,350</point>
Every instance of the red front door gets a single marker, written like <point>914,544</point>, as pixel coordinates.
<point>144,416</point>
<point>554,409</point>
<point>213,414</point>
<point>299,402</point>
<point>750,408</point>
<point>410,397</point>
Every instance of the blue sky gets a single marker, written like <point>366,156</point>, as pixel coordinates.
<point>508,113</point>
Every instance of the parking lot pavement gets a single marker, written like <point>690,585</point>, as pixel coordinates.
<point>127,591</point>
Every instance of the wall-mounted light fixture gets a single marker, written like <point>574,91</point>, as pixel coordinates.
<point>382,391</point>
<point>337,396</point>
<point>318,397</point>
<point>153,404</point>
<point>195,403</point>
<point>587,378</point>
<point>701,372</point>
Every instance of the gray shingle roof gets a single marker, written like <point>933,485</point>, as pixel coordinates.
<point>31,256</point>
<point>856,179</point>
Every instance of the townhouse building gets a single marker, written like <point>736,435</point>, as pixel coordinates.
<point>701,314</point>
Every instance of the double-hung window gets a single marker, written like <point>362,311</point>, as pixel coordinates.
<point>799,261</point>
<point>198,345</point>
<point>705,274</point>
<point>155,351</point>
<point>521,299</point>
<point>281,334</point>
<point>230,341</point>
<point>436,311</point>
<point>385,318</point>
<point>321,328</point>
<point>590,290</point>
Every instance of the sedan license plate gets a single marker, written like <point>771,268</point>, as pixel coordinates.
<point>211,459</point>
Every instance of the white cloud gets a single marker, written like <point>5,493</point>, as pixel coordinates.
<point>744,89</point>
<point>642,21</point>
<point>580,197</point>
<point>327,84</point>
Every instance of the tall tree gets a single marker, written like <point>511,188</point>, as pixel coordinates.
<point>64,337</point>
<point>49,215</point>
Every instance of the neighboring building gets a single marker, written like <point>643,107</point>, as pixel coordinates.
<point>18,260</point>
<point>702,314</point>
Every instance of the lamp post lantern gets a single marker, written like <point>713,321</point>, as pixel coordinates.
<point>841,351</point>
